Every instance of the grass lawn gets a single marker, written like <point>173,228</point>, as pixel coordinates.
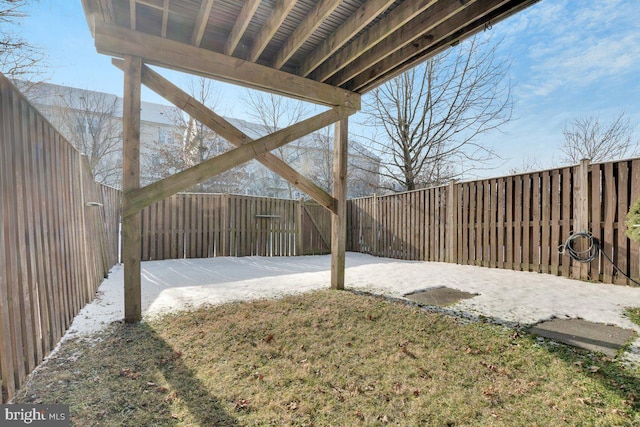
<point>330,359</point>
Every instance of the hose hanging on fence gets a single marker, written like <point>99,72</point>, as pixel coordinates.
<point>586,255</point>
<point>590,253</point>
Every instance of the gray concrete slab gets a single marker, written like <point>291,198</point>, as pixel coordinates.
<point>596,337</point>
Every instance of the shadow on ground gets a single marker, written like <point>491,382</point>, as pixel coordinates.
<point>136,379</point>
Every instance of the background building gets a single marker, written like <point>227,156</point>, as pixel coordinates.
<point>170,141</point>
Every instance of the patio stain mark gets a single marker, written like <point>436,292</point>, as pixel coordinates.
<point>440,297</point>
<point>591,336</point>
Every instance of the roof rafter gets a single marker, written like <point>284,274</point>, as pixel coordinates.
<point>485,12</point>
<point>419,26</point>
<point>277,17</point>
<point>352,26</point>
<point>201,22</point>
<point>386,26</point>
<point>165,18</point>
<point>318,14</point>
<point>132,13</point>
<point>153,4</point>
<point>244,18</point>
<point>119,41</point>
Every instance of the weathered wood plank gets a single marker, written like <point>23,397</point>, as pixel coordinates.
<point>120,42</point>
<point>500,222</point>
<point>8,301</point>
<point>610,200</point>
<point>546,246</point>
<point>244,18</point>
<point>556,209</point>
<point>535,222</point>
<point>527,213</point>
<point>596,217</point>
<point>422,25</point>
<point>518,202</point>
<point>338,223</point>
<point>131,224</point>
<point>201,22</point>
<point>268,30</point>
<point>634,247</point>
<point>304,30</point>
<point>352,26</point>
<point>395,20</point>
<point>567,215</point>
<point>622,247</point>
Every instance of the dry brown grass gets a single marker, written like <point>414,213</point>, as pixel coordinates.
<point>330,359</point>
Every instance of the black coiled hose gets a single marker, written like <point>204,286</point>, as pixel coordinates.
<point>590,253</point>
<point>587,255</point>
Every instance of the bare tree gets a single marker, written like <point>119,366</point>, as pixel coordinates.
<point>430,116</point>
<point>528,164</point>
<point>587,138</point>
<point>19,59</point>
<point>191,142</point>
<point>275,112</point>
<point>92,122</point>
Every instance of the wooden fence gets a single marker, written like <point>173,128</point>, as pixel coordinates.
<point>58,236</point>
<point>516,222</point>
<point>209,225</point>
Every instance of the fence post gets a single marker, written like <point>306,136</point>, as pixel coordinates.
<point>374,226</point>
<point>581,211</point>
<point>85,252</point>
<point>299,237</point>
<point>452,222</point>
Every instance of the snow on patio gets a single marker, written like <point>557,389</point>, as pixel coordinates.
<point>504,295</point>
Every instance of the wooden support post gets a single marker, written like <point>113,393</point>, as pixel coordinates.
<point>131,224</point>
<point>339,218</point>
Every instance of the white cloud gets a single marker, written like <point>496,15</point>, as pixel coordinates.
<point>576,43</point>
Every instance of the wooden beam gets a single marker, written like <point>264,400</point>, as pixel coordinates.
<point>244,18</point>
<point>277,17</point>
<point>182,180</point>
<point>352,26</point>
<point>383,28</point>
<point>131,224</point>
<point>165,18</point>
<point>201,22</point>
<point>311,22</point>
<point>419,26</point>
<point>222,127</point>
<point>339,218</point>
<point>156,4</point>
<point>132,13</point>
<point>119,41</point>
<point>458,27</point>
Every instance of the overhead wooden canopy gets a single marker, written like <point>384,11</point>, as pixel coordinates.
<point>324,51</point>
<point>329,52</point>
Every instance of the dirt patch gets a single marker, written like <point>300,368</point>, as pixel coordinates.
<point>440,297</point>
<point>605,339</point>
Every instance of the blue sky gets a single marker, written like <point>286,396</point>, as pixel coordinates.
<point>570,58</point>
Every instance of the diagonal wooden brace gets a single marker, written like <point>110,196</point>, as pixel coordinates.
<point>145,196</point>
<point>222,127</point>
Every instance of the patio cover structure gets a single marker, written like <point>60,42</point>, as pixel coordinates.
<point>327,52</point>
